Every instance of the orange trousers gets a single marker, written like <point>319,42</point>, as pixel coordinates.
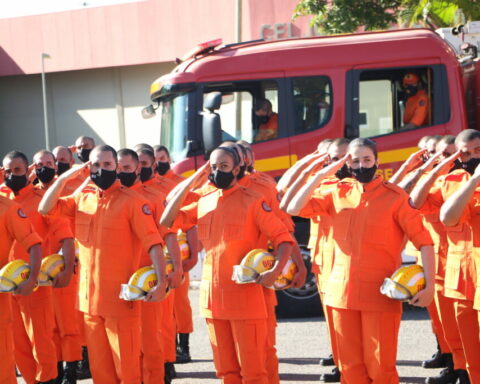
<point>239,350</point>
<point>327,312</point>
<point>437,328</point>
<point>271,362</point>
<point>182,308</point>
<point>67,337</point>
<point>7,360</point>
<point>114,346</point>
<point>33,323</point>
<point>448,320</point>
<point>467,321</point>
<point>366,345</point>
<point>168,328</point>
<point>153,369</point>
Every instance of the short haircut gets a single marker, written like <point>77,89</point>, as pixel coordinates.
<point>44,152</point>
<point>467,135</point>
<point>230,152</point>
<point>340,141</point>
<point>127,152</point>
<point>364,142</point>
<point>159,148</point>
<point>147,152</point>
<point>137,147</point>
<point>422,141</point>
<point>87,138</point>
<point>60,147</point>
<point>324,144</point>
<point>262,104</point>
<point>435,138</point>
<point>447,139</point>
<point>106,148</point>
<point>12,155</point>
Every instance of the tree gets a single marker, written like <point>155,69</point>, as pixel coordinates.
<point>347,16</point>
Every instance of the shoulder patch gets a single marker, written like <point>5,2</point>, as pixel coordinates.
<point>146,209</point>
<point>421,103</point>
<point>279,197</point>
<point>21,213</point>
<point>265,207</point>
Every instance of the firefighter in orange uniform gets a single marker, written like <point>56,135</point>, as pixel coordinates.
<point>417,105</point>
<point>365,322</point>
<point>164,185</point>
<point>268,128</point>
<point>112,225</point>
<point>128,172</point>
<point>33,315</point>
<point>230,221</point>
<point>460,277</point>
<point>14,226</point>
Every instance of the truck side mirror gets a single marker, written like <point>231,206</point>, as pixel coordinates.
<point>211,125</point>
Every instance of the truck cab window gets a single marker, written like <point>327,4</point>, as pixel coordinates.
<point>393,100</point>
<point>249,109</point>
<point>312,102</point>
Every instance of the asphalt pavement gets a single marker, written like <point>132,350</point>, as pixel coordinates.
<point>302,342</point>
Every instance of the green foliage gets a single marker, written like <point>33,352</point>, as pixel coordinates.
<point>347,16</point>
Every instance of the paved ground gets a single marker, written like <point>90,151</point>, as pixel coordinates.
<point>302,342</point>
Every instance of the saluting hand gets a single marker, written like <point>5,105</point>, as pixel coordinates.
<point>445,165</point>
<point>331,169</point>
<point>415,160</point>
<point>430,163</point>
<point>74,172</point>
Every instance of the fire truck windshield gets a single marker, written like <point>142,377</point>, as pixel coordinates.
<point>174,124</point>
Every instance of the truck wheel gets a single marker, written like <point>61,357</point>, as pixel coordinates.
<point>300,302</point>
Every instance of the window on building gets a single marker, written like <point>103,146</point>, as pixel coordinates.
<point>312,102</point>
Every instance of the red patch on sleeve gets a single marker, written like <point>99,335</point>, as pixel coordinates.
<point>265,207</point>
<point>21,213</point>
<point>146,209</point>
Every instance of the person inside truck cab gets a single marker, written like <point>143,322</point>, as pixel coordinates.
<point>417,104</point>
<point>268,128</point>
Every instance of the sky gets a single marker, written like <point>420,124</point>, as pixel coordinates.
<point>20,8</point>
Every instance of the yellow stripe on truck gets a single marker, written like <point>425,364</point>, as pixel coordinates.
<point>395,155</point>
<point>275,163</point>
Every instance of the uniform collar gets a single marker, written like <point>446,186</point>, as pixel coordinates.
<point>377,180</point>
<point>137,185</point>
<point>24,191</point>
<point>116,185</point>
<point>229,191</point>
<point>244,180</point>
<point>151,181</point>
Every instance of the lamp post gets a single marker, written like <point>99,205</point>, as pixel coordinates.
<point>44,91</point>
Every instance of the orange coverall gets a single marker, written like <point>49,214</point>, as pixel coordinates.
<point>416,109</point>
<point>14,226</point>
<point>366,322</point>
<point>460,273</point>
<point>231,223</point>
<point>112,227</point>
<point>33,315</point>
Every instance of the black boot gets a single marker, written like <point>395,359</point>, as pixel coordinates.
<point>327,361</point>
<point>70,373</point>
<point>83,366</point>
<point>438,360</point>
<point>53,381</point>
<point>183,349</point>
<point>58,380</point>
<point>462,376</point>
<point>446,376</point>
<point>333,377</point>
<point>170,372</point>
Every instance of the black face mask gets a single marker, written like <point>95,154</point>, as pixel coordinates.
<point>343,172</point>
<point>84,155</point>
<point>470,165</point>
<point>62,168</point>
<point>145,174</point>
<point>221,179</point>
<point>162,167</point>
<point>127,178</point>
<point>457,164</point>
<point>45,174</point>
<point>262,120</point>
<point>241,173</point>
<point>249,168</point>
<point>411,90</point>
<point>103,178</point>
<point>16,183</point>
<point>364,175</point>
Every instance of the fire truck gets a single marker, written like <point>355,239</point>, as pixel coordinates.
<point>319,87</point>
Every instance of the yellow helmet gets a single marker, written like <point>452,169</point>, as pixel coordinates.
<point>405,283</point>
<point>51,266</point>
<point>183,244</point>
<point>286,277</point>
<point>254,263</point>
<point>13,274</point>
<point>141,282</point>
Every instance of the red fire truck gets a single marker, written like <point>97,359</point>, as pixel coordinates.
<point>320,87</point>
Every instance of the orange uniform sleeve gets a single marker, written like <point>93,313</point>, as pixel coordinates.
<point>420,113</point>
<point>434,199</point>
<point>319,204</point>
<point>20,228</point>
<point>66,206</point>
<point>187,217</point>
<point>410,220</point>
<point>270,224</point>
<point>143,224</point>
